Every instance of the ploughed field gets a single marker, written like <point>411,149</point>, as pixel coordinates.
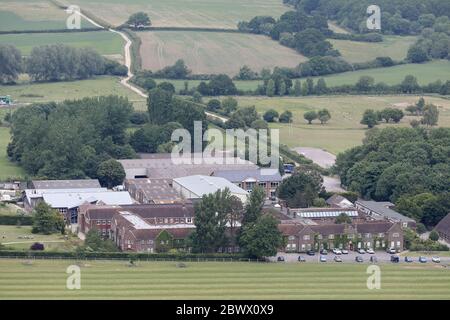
<point>46,279</point>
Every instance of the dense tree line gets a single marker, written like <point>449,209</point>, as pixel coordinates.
<point>399,164</point>
<point>70,140</point>
<point>54,63</point>
<point>399,17</point>
<point>431,45</point>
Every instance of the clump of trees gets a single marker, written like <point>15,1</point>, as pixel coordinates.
<point>219,85</point>
<point>69,140</point>
<point>47,220</point>
<point>139,20</point>
<point>384,166</point>
<point>322,115</point>
<point>10,63</point>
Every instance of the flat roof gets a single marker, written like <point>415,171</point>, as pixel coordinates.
<point>202,185</point>
<point>66,184</point>
<point>260,175</point>
<point>75,199</point>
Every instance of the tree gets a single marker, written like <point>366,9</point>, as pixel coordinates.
<point>245,73</point>
<point>434,236</point>
<point>324,115</point>
<point>47,220</point>
<point>139,20</point>
<point>417,54</point>
<point>321,87</point>
<point>309,86</point>
<point>254,205</point>
<point>369,118</point>
<point>270,90</point>
<point>214,105</point>
<point>430,115</point>
<point>420,105</point>
<point>409,84</point>
<point>297,88</point>
<point>270,115</point>
<point>229,105</point>
<point>343,219</point>
<point>159,104</point>
<point>282,88</point>
<point>10,63</point>
<point>110,173</point>
<point>300,189</point>
<point>261,238</point>
<point>365,84</point>
<point>95,243</point>
<point>285,117</point>
<point>310,116</point>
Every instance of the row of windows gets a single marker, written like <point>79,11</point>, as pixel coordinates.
<point>307,237</point>
<point>173,220</point>
<point>103,222</point>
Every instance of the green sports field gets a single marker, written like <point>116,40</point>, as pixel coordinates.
<point>45,279</point>
<point>344,130</point>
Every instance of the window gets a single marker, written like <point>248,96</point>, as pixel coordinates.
<point>395,235</point>
<point>274,184</point>
<point>306,237</point>
<point>331,236</point>
<point>98,222</point>
<point>189,220</point>
<point>319,237</point>
<point>381,235</point>
<point>368,235</point>
<point>350,236</point>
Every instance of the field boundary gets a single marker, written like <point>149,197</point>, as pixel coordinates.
<point>51,31</point>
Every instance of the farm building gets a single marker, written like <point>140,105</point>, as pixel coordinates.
<point>384,211</point>
<point>158,191</point>
<point>443,228</point>
<point>338,201</point>
<point>66,184</point>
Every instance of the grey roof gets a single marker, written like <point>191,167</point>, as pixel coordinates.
<point>154,189</point>
<point>202,185</point>
<point>324,212</point>
<point>339,201</point>
<point>251,175</point>
<point>444,225</point>
<point>75,199</point>
<point>384,209</point>
<point>66,184</point>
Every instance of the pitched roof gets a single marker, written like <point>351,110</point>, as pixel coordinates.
<point>339,201</point>
<point>155,190</point>
<point>384,209</point>
<point>203,185</point>
<point>444,225</point>
<point>250,175</point>
<point>324,212</point>
<point>374,227</point>
<point>66,184</point>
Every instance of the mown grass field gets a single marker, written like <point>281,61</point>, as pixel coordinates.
<point>395,47</point>
<point>45,279</point>
<point>12,237</point>
<point>181,13</point>
<point>344,130</point>
<point>104,42</point>
<point>7,168</point>
<point>33,15</point>
<point>214,52</point>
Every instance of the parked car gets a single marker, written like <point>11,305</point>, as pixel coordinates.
<point>373,259</point>
<point>337,251</point>
<point>280,259</point>
<point>391,251</point>
<point>395,259</point>
<point>361,251</point>
<point>359,259</point>
<point>337,259</point>
<point>344,251</point>
<point>324,252</point>
<point>409,259</point>
<point>301,259</point>
<point>323,259</point>
<point>423,260</point>
<point>436,259</point>
<point>311,253</point>
<point>370,251</point>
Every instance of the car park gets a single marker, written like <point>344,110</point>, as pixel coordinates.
<point>323,259</point>
<point>395,259</point>
<point>436,259</point>
<point>344,251</point>
<point>373,259</point>
<point>337,259</point>
<point>391,251</point>
<point>423,260</point>
<point>370,251</point>
<point>361,251</point>
<point>301,259</point>
<point>280,259</point>
<point>409,259</point>
<point>324,252</point>
<point>337,251</point>
<point>310,252</point>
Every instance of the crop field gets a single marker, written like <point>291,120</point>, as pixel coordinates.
<point>343,131</point>
<point>104,42</point>
<point>214,52</point>
<point>395,47</point>
<point>179,13</point>
<point>33,15</point>
<point>59,91</point>
<point>46,279</point>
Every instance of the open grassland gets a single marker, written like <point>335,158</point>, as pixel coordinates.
<point>21,238</point>
<point>425,74</point>
<point>214,52</point>
<point>337,28</point>
<point>45,279</point>
<point>104,42</point>
<point>395,47</point>
<point>7,168</point>
<point>9,209</point>
<point>182,13</point>
<point>344,130</point>
<point>33,15</point>
<point>60,91</point>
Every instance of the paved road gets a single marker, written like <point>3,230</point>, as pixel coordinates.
<point>318,156</point>
<point>382,257</point>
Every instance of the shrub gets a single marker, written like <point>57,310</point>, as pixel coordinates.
<point>37,246</point>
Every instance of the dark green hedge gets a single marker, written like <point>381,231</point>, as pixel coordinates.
<point>52,31</point>
<point>118,255</point>
<point>15,220</point>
